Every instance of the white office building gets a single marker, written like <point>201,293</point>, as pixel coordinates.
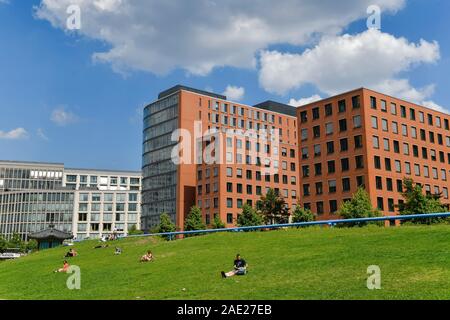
<point>88,203</point>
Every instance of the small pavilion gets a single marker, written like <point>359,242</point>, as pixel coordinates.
<point>50,238</point>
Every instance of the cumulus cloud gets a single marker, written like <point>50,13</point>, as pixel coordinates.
<point>372,59</point>
<point>15,134</point>
<point>234,93</point>
<point>303,101</point>
<point>160,36</point>
<point>63,117</point>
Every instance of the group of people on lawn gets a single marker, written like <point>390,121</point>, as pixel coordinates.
<point>239,268</point>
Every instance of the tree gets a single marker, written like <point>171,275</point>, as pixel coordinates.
<point>249,217</point>
<point>3,243</point>
<point>274,208</point>
<point>16,242</point>
<point>134,231</point>
<point>416,202</point>
<point>31,245</point>
<point>166,225</point>
<point>302,215</point>
<point>358,207</point>
<point>194,220</point>
<point>218,224</point>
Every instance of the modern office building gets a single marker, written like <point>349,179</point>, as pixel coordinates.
<point>317,154</point>
<point>236,174</point>
<point>87,203</point>
<point>365,138</point>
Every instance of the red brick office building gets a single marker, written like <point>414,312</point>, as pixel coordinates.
<point>365,138</point>
<point>319,153</point>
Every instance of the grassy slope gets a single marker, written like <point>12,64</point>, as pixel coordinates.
<point>286,264</point>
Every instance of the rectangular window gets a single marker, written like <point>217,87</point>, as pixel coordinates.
<point>375,142</point>
<point>377,162</point>
<point>346,184</point>
<point>374,122</point>
<point>342,125</point>
<point>380,204</point>
<point>393,108</point>
<point>341,106</point>
<point>331,166</point>
<point>356,102</point>
<point>383,106</point>
<point>315,113</point>
<point>358,142</point>
<point>373,102</point>
<point>328,128</point>
<point>328,109</point>
<point>332,186</point>
<point>344,144</point>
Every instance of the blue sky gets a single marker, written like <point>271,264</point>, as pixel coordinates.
<point>84,112</point>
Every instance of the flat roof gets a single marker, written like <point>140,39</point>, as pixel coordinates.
<point>61,165</point>
<point>179,87</point>
<point>29,163</point>
<point>277,107</point>
<point>103,170</point>
<point>378,92</point>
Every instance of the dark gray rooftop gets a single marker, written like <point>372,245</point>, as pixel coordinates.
<point>176,88</point>
<point>277,107</point>
<point>50,233</point>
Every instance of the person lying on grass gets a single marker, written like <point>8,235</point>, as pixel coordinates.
<point>240,268</point>
<point>71,253</point>
<point>65,267</point>
<point>101,246</point>
<point>147,257</point>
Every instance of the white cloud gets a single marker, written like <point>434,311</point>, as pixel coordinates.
<point>435,106</point>
<point>15,134</point>
<point>372,59</point>
<point>303,101</point>
<point>63,117</point>
<point>234,93</point>
<point>41,134</point>
<point>160,36</point>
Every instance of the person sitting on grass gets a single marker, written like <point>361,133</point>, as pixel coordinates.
<point>65,267</point>
<point>148,257</point>
<point>72,253</point>
<point>240,268</point>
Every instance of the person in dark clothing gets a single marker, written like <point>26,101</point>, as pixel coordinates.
<point>240,268</point>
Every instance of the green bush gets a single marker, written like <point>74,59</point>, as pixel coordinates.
<point>249,217</point>
<point>218,224</point>
<point>359,206</point>
<point>165,225</point>
<point>416,202</point>
<point>302,215</point>
<point>134,231</point>
<point>194,221</point>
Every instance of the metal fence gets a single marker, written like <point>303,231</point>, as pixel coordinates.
<point>172,235</point>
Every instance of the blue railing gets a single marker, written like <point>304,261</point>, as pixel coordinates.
<point>171,235</point>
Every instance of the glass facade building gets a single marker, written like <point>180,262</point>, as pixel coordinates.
<point>87,203</point>
<point>159,192</point>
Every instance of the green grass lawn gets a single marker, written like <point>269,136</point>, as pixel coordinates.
<point>311,263</point>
